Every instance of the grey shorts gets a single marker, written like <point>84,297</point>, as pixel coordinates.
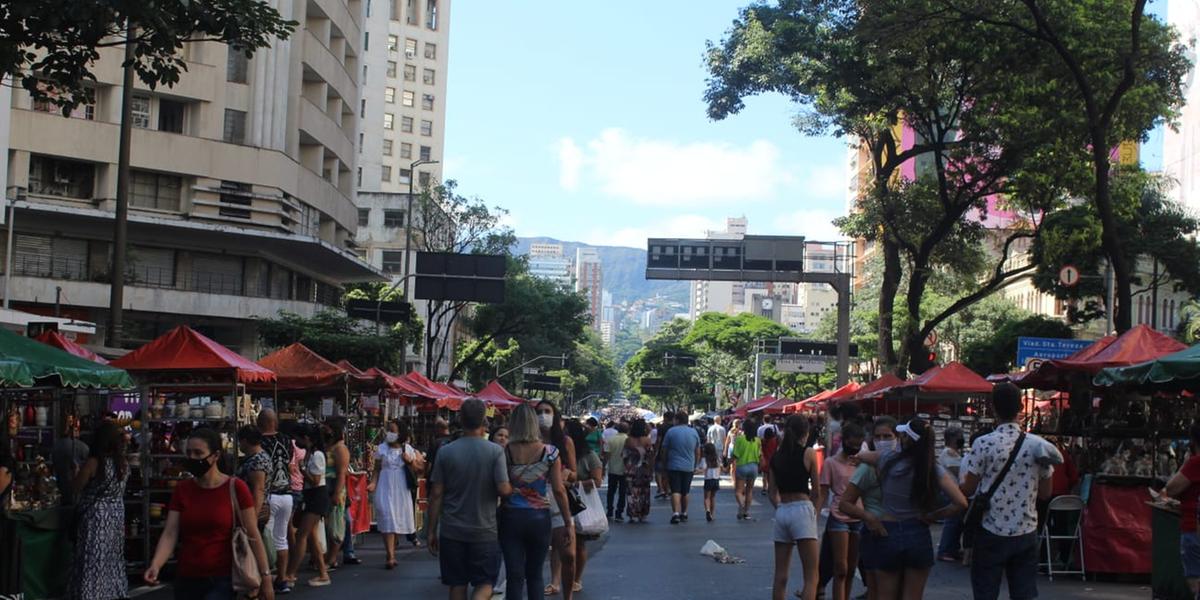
<point>795,521</point>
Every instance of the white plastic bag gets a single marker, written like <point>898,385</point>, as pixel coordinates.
<point>711,549</point>
<point>591,522</point>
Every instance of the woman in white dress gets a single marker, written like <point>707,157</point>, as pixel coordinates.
<point>393,501</point>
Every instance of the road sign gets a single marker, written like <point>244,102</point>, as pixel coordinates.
<point>801,364</point>
<point>798,346</point>
<point>1047,348</point>
<point>1068,275</point>
<point>388,311</point>
<point>531,370</point>
<point>547,383</point>
<point>931,339</point>
<point>460,277</point>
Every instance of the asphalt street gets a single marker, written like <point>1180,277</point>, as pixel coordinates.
<point>657,560</point>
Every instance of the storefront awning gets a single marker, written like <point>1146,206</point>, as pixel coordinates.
<point>1180,370</point>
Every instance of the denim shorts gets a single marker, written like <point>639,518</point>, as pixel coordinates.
<point>908,545</point>
<point>1189,553</point>
<point>795,521</point>
<point>473,563</point>
<point>835,524</point>
<point>868,550</point>
<point>747,471</point>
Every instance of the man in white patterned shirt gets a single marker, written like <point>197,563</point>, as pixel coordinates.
<point>1007,542</point>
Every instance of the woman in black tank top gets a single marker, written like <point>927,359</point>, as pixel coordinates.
<point>796,493</point>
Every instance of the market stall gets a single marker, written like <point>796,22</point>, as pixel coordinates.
<point>188,381</point>
<point>823,399</point>
<point>759,405</point>
<point>871,391</point>
<point>42,389</point>
<point>58,340</point>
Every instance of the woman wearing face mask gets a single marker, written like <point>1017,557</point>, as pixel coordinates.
<point>393,503</point>
<point>864,486</point>
<point>909,478</point>
<point>316,505</point>
<point>842,529</point>
<point>200,518</point>
<point>562,537</point>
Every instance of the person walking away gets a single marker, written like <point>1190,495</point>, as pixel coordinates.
<point>682,446</point>
<point>711,465</point>
<point>951,459</point>
<point>67,458</point>
<point>715,435</point>
<point>747,457</point>
<point>535,473</point>
<point>727,451</point>
<point>99,565</point>
<point>660,457</point>
<point>562,530</point>
<point>315,506</point>
<point>610,429</point>
<point>337,467</point>
<point>200,519</point>
<point>864,486</point>
<point>393,504</point>
<point>770,443</point>
<point>638,456</point>
<point>1007,542</point>
<point>797,494</point>
<point>841,529</point>
<point>253,470</point>
<point>618,483</point>
<point>591,475</point>
<point>279,491</point>
<point>468,479</point>
<point>909,478</point>
<point>1184,486</point>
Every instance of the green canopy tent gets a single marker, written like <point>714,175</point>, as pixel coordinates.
<point>45,364</point>
<point>1180,370</point>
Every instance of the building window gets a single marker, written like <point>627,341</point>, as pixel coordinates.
<point>235,126</point>
<point>426,127</point>
<point>405,150</point>
<point>393,261</point>
<point>410,12</point>
<point>61,178</point>
<point>387,147</point>
<point>431,14</point>
<point>430,51</point>
<point>359,184</point>
<point>410,73</point>
<point>393,44</point>
<point>236,199</point>
<point>429,77</point>
<point>427,101</point>
<point>388,118</point>
<point>391,68</point>
<point>171,116</point>
<point>407,98</point>
<point>406,124</point>
<point>389,95</point>
<point>139,109</point>
<point>236,66</point>
<point>393,218</point>
<point>85,111</point>
<point>360,143</point>
<point>385,173</point>
<point>364,77</point>
<point>364,217</point>
<point>367,40</point>
<point>154,190</point>
<point>426,153</point>
<point>405,176</point>
<point>423,179</point>
<point>410,49</point>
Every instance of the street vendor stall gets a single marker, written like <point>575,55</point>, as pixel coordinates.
<point>189,381</point>
<point>824,398</point>
<point>766,405</point>
<point>40,389</point>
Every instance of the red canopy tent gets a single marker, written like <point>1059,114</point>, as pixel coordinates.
<point>493,391</point>
<point>950,379</point>
<point>444,393</point>
<point>399,385</point>
<point>183,349</point>
<point>1137,345</point>
<point>361,380</point>
<point>873,389</point>
<point>768,405</point>
<point>56,339</point>
<point>299,368</point>
<point>826,396</point>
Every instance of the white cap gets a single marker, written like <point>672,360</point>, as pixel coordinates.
<point>904,428</point>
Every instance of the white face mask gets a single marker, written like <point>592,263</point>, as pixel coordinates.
<point>391,437</point>
<point>885,445</point>
<point>546,420</point>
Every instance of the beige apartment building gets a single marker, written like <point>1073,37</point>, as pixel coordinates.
<point>242,187</point>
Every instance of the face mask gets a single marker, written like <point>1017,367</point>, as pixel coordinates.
<point>546,420</point>
<point>391,437</point>
<point>196,466</point>
<point>885,445</point>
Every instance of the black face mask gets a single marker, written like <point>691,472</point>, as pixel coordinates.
<point>852,450</point>
<point>197,466</point>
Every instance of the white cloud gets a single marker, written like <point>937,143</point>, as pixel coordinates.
<point>683,226</point>
<point>825,182</point>
<point>813,223</point>
<point>669,173</point>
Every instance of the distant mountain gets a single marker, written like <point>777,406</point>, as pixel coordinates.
<point>624,271</point>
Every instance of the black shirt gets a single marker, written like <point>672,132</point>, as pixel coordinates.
<point>279,448</point>
<point>791,476</point>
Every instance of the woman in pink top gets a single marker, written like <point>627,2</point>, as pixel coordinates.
<point>298,455</point>
<point>841,529</point>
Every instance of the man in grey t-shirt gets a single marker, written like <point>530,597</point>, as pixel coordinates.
<point>469,477</point>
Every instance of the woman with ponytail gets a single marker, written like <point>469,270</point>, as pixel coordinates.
<point>910,480</point>
<point>795,492</point>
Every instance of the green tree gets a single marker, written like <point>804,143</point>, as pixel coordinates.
<point>997,353</point>
<point>1188,330</point>
<point>52,46</point>
<point>336,336</point>
<point>737,334</point>
<point>650,361</point>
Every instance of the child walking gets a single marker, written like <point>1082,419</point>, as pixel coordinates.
<point>712,479</point>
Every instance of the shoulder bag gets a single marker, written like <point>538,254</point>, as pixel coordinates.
<point>981,503</point>
<point>246,576</point>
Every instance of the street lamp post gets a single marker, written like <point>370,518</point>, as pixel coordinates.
<point>408,222</point>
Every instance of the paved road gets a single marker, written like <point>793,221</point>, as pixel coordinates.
<point>658,560</point>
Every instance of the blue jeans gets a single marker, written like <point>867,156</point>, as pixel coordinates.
<point>525,541</point>
<point>619,485</point>
<point>995,556</point>
<point>950,544</point>
<point>204,588</point>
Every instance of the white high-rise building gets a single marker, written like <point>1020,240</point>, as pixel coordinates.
<point>589,279</point>
<point>720,296</point>
<point>1181,149</point>
<point>548,261</point>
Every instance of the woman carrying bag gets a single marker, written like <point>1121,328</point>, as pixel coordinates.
<point>202,519</point>
<point>394,465</point>
<point>591,523</point>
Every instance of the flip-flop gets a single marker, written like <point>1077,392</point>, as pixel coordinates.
<point>551,590</point>
<point>577,587</point>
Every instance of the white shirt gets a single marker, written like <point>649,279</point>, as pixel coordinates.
<point>950,458</point>
<point>1013,510</point>
<point>607,433</point>
<point>716,435</point>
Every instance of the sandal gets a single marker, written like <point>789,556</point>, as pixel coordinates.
<point>551,590</point>
<point>577,586</point>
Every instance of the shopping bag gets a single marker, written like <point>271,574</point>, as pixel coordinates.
<point>592,521</point>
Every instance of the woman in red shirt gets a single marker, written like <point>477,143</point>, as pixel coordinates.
<point>1185,486</point>
<point>200,517</point>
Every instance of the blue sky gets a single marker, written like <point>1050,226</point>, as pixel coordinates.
<point>586,120</point>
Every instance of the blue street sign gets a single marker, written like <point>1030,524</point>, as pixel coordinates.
<point>1038,349</point>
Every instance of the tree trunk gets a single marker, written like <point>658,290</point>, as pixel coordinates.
<point>1110,239</point>
<point>888,288</point>
<point>914,343</point>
